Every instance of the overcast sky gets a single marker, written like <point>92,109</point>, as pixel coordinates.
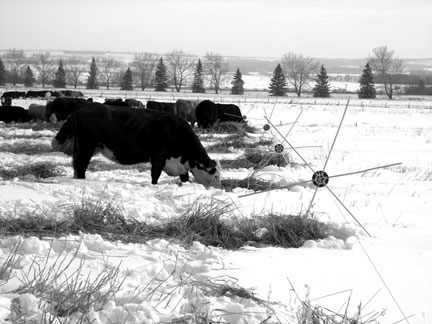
<point>248,28</point>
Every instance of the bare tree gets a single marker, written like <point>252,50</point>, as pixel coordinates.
<point>180,67</point>
<point>108,67</point>
<point>216,67</point>
<point>75,67</point>
<point>386,66</point>
<point>15,60</point>
<point>299,70</point>
<point>144,65</point>
<point>45,66</point>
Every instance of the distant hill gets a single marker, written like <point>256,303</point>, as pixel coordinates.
<point>253,65</point>
<point>333,65</point>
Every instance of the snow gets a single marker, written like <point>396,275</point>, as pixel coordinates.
<point>164,282</point>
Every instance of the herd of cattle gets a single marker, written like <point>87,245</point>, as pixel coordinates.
<point>129,132</point>
<point>205,113</point>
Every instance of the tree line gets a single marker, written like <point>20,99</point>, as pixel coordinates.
<point>179,70</point>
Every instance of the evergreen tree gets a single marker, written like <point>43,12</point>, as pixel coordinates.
<point>161,77</point>
<point>367,86</point>
<point>28,77</point>
<point>126,83</point>
<point>92,79</point>
<point>2,73</point>
<point>237,83</point>
<point>60,77</point>
<point>278,82</point>
<point>198,82</point>
<point>322,87</point>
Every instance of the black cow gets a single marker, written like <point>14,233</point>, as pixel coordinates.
<point>14,114</point>
<point>186,110</point>
<point>166,107</point>
<point>130,136</point>
<point>133,103</point>
<point>229,112</point>
<point>60,108</point>
<point>13,94</point>
<point>206,113</point>
<point>38,94</point>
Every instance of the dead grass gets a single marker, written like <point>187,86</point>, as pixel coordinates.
<point>39,170</point>
<point>206,224</point>
<point>28,147</point>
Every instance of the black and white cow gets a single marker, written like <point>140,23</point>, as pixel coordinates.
<point>131,136</point>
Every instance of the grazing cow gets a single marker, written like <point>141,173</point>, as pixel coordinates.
<point>229,112</point>
<point>130,136</point>
<point>206,113</point>
<point>37,112</point>
<point>133,103</point>
<point>186,110</point>
<point>14,114</point>
<point>6,101</point>
<point>166,107</point>
<point>60,108</point>
<point>14,94</point>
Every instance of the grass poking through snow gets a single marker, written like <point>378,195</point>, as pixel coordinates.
<point>206,224</point>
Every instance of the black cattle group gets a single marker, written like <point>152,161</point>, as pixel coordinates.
<point>205,113</point>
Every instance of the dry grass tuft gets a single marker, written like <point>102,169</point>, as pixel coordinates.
<point>203,223</point>
<point>28,147</point>
<point>39,170</point>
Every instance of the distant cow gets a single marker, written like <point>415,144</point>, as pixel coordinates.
<point>70,93</point>
<point>133,103</point>
<point>12,95</point>
<point>229,112</point>
<point>167,107</point>
<point>186,110</point>
<point>206,113</point>
<point>130,136</point>
<point>60,108</point>
<point>14,114</point>
<point>37,112</point>
<point>38,94</point>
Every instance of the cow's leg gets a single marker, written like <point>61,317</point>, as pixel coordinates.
<point>81,160</point>
<point>184,177</point>
<point>157,165</point>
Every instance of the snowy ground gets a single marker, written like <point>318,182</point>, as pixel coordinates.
<point>164,282</point>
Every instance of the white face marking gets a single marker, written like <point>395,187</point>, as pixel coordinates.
<point>202,176</point>
<point>174,167</point>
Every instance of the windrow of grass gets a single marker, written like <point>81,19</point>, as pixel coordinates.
<point>28,147</point>
<point>38,169</point>
<point>206,224</point>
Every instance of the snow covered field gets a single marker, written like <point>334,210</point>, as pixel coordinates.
<point>160,281</point>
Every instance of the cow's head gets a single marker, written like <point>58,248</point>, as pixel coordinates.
<point>207,175</point>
